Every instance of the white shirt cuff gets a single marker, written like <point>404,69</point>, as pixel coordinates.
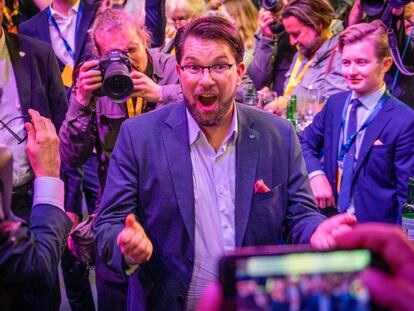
<point>315,173</point>
<point>49,190</point>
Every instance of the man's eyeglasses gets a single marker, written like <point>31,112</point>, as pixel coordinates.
<point>218,69</point>
<point>5,125</point>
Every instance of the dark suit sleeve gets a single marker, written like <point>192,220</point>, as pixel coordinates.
<point>29,258</point>
<point>312,140</point>
<point>302,216</point>
<point>120,198</point>
<point>56,91</point>
<point>404,159</point>
<point>155,21</point>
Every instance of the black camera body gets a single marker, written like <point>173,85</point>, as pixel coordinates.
<point>376,7</point>
<point>117,85</point>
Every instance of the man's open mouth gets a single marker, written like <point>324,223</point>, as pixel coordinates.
<point>207,99</point>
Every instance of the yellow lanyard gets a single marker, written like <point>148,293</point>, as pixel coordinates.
<point>295,76</point>
<point>134,111</point>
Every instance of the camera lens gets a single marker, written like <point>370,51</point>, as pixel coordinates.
<point>269,4</point>
<point>117,83</point>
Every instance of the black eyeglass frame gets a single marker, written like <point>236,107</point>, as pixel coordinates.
<point>209,68</point>
<point>5,125</point>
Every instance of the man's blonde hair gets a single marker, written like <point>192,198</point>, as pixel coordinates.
<point>374,32</point>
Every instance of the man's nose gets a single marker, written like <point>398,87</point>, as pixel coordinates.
<point>352,69</point>
<point>206,78</point>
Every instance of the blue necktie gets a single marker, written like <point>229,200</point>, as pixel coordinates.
<point>344,196</point>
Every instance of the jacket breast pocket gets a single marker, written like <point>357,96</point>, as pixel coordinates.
<point>267,215</point>
<point>379,163</point>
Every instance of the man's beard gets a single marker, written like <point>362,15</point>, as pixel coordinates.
<point>213,118</point>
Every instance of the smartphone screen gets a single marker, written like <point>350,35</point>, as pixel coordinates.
<point>301,281</point>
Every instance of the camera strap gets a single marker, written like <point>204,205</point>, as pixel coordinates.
<point>55,25</point>
<point>387,20</point>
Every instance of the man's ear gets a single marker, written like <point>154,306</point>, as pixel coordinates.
<point>387,63</point>
<point>241,68</point>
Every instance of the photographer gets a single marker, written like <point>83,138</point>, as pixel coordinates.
<point>29,257</point>
<point>93,117</point>
<point>272,54</point>
<point>399,84</point>
<point>128,79</point>
<point>317,64</point>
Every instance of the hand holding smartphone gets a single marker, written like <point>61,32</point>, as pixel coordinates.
<point>296,278</point>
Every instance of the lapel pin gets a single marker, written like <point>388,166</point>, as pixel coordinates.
<point>251,136</point>
<point>22,54</point>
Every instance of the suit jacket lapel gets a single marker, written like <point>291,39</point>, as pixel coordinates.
<point>175,138</point>
<point>43,27</point>
<point>372,132</point>
<point>20,60</point>
<point>247,154</point>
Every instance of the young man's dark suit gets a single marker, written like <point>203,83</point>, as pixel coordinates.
<point>75,273</point>
<point>39,87</point>
<point>385,161</point>
<point>38,27</point>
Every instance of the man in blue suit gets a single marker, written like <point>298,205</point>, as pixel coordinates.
<point>29,255</point>
<point>64,25</point>
<point>202,177</point>
<point>366,136</point>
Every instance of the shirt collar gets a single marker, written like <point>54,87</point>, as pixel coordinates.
<point>371,100</point>
<point>194,130</point>
<point>73,9</point>
<point>2,44</point>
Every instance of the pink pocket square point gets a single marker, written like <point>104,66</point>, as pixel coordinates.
<point>260,187</point>
<point>378,143</point>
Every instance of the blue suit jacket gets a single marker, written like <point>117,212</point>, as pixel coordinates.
<point>38,27</point>
<point>150,174</point>
<point>29,261</point>
<point>381,172</point>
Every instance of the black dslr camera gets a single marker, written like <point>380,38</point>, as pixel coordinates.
<point>376,7</point>
<point>117,85</point>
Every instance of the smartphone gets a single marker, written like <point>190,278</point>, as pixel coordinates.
<point>296,278</point>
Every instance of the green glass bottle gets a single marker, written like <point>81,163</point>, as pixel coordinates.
<point>408,211</point>
<point>250,97</point>
<point>291,110</point>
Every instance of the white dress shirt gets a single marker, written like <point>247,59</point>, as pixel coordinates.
<point>214,179</point>
<point>11,108</point>
<point>67,27</point>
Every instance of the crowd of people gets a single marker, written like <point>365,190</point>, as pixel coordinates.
<point>135,109</point>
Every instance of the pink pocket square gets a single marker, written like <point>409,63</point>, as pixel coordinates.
<point>260,187</point>
<point>378,143</point>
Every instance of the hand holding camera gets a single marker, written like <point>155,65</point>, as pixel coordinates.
<point>88,81</point>
<point>145,87</point>
<point>266,20</point>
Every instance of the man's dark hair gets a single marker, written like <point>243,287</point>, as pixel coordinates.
<point>311,13</point>
<point>211,28</point>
